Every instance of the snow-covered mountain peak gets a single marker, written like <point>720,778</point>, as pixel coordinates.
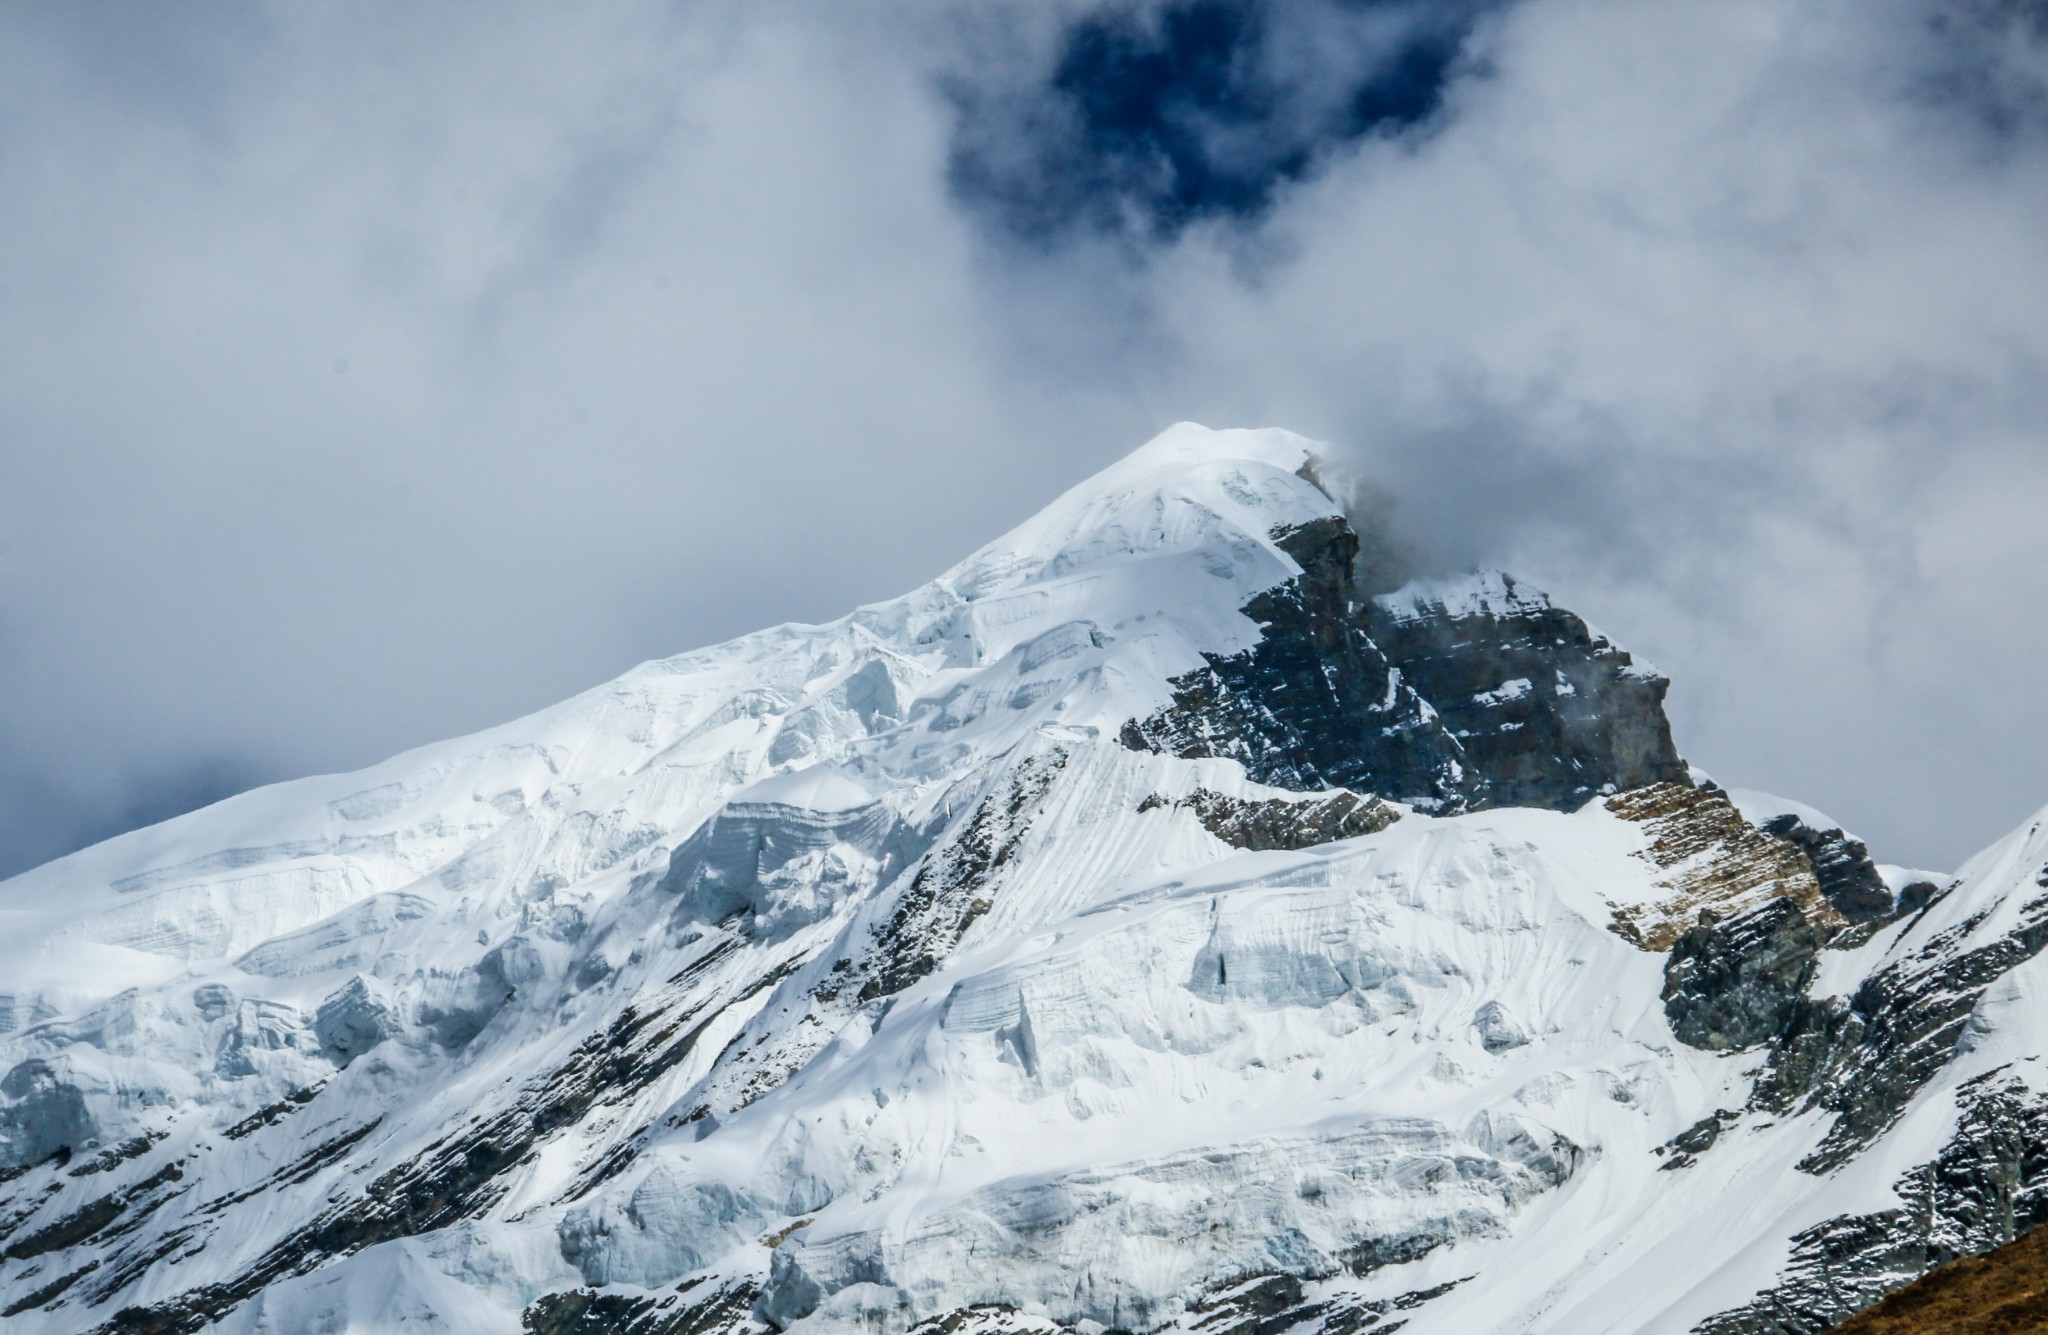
<point>1187,489</point>
<point>1135,927</point>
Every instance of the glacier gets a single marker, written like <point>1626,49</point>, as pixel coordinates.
<point>1139,927</point>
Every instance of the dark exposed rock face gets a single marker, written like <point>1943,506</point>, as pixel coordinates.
<point>91,1218</point>
<point>1999,1292</point>
<point>1549,712</point>
<point>1686,1147</point>
<point>1864,1061</point>
<point>1747,982</point>
<point>1263,1304</point>
<point>1742,977</point>
<point>1842,865</point>
<point>1507,701</point>
<point>721,1310</point>
<point>1315,703</point>
<point>1740,982</point>
<point>953,886</point>
<point>1275,1303</point>
<point>1988,1185</point>
<point>1278,823</point>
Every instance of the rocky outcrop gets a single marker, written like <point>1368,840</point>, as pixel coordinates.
<point>1988,1185</point>
<point>709,1308</point>
<point>1275,1303</point>
<point>953,886</point>
<point>1864,1059</point>
<point>1734,983</point>
<point>1842,866</point>
<point>1743,979</point>
<point>1547,711</point>
<point>1262,824</point>
<point>1315,703</point>
<point>2002,1292</point>
<point>1713,862</point>
<point>1451,698</point>
<point>1685,1148</point>
<point>1269,1303</point>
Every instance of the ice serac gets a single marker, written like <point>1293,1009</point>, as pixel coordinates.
<point>782,852</point>
<point>1137,927</point>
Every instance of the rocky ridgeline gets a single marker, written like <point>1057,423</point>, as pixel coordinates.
<point>1494,698</point>
<point>1279,822</point>
<point>1713,865</point>
<point>1745,982</point>
<point>1987,1186</point>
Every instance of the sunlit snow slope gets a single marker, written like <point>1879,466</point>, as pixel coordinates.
<point>1141,926</point>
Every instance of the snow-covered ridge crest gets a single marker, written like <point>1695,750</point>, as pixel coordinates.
<point>1482,593</point>
<point>1186,488</point>
<point>1208,497</point>
<point>1133,927</point>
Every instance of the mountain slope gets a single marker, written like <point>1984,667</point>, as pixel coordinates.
<point>1136,927</point>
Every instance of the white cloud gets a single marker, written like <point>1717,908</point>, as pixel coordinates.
<point>657,325</point>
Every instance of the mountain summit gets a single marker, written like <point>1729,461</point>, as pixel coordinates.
<point>1139,927</point>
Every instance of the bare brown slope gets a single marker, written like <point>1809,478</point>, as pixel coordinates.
<point>2002,1292</point>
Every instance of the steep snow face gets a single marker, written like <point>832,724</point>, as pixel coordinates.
<point>1119,579</point>
<point>1132,928</point>
<point>1291,1061</point>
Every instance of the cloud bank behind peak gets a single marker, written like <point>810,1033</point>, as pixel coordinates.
<point>366,378</point>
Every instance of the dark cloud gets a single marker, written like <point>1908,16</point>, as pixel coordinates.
<point>188,66</point>
<point>1149,118</point>
<point>43,818</point>
<point>1991,58</point>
